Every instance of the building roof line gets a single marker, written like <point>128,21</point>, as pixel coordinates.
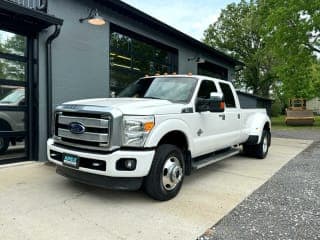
<point>128,10</point>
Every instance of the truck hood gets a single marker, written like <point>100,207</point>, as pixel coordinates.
<point>133,106</point>
<point>8,104</point>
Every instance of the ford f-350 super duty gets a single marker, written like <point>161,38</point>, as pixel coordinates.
<point>155,132</point>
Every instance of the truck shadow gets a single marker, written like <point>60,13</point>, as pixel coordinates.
<point>134,197</point>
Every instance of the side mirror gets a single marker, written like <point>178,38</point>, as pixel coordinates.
<point>214,104</point>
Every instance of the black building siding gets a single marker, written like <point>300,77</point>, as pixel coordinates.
<point>252,101</point>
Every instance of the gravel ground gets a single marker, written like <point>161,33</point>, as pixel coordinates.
<point>287,206</point>
<point>298,134</point>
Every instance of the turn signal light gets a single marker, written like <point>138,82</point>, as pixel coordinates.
<point>221,105</point>
<point>148,126</point>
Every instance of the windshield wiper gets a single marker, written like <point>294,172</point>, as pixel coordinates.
<point>159,99</point>
<point>154,98</point>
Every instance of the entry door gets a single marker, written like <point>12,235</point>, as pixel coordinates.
<point>14,92</point>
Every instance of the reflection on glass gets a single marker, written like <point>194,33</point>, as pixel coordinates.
<point>12,121</point>
<point>12,149</point>
<point>166,88</point>
<point>131,59</point>
<point>12,70</point>
<point>12,43</point>
<point>12,132</point>
<point>12,96</point>
<point>172,89</point>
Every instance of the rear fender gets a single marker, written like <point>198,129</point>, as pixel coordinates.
<point>256,123</point>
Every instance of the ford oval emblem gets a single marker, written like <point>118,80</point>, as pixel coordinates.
<point>77,128</point>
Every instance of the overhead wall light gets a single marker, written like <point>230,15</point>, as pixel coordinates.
<point>94,18</point>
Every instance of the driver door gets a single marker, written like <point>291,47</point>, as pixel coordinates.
<point>208,126</point>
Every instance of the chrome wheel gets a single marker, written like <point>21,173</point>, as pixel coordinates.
<point>265,145</point>
<point>172,173</point>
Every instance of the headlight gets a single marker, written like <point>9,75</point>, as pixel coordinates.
<point>136,130</point>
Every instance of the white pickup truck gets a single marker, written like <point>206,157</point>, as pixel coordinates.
<point>155,132</point>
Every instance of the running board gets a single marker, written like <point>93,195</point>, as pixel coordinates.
<point>215,158</point>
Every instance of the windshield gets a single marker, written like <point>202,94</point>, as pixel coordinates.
<point>175,89</point>
<point>14,96</point>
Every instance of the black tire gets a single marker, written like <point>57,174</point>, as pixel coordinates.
<point>259,150</point>
<point>4,144</point>
<point>155,183</point>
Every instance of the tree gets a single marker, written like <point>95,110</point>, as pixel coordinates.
<point>292,23</point>
<point>14,70</point>
<point>277,41</point>
<point>237,32</point>
<point>316,78</point>
<point>292,32</point>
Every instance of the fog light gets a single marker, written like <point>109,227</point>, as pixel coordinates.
<point>96,164</point>
<point>130,164</point>
<point>126,164</point>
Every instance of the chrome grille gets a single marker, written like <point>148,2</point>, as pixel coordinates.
<point>87,136</point>
<point>87,122</point>
<point>95,137</point>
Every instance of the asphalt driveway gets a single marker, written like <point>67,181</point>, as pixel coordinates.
<point>36,203</point>
<point>285,207</point>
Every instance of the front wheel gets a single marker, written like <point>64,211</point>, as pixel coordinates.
<point>167,172</point>
<point>4,144</point>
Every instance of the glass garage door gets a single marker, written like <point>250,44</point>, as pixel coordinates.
<point>13,97</point>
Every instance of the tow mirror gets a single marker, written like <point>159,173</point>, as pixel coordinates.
<point>214,104</point>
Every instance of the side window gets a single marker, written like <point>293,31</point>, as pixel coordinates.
<point>206,88</point>
<point>228,95</point>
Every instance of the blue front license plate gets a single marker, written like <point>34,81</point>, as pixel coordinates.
<point>71,160</point>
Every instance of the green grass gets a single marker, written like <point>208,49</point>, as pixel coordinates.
<point>278,123</point>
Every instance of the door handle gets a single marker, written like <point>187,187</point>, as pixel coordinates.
<point>223,116</point>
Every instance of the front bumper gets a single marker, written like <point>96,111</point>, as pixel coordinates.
<point>143,159</point>
<point>101,181</point>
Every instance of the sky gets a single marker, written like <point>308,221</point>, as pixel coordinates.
<point>189,16</point>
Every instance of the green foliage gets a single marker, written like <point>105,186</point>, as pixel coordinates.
<point>277,41</point>
<point>16,45</point>
<point>293,25</point>
<point>237,33</point>
<point>291,31</point>
<point>13,44</point>
<point>276,108</point>
<point>315,77</point>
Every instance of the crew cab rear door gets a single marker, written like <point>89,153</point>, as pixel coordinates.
<point>231,116</point>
